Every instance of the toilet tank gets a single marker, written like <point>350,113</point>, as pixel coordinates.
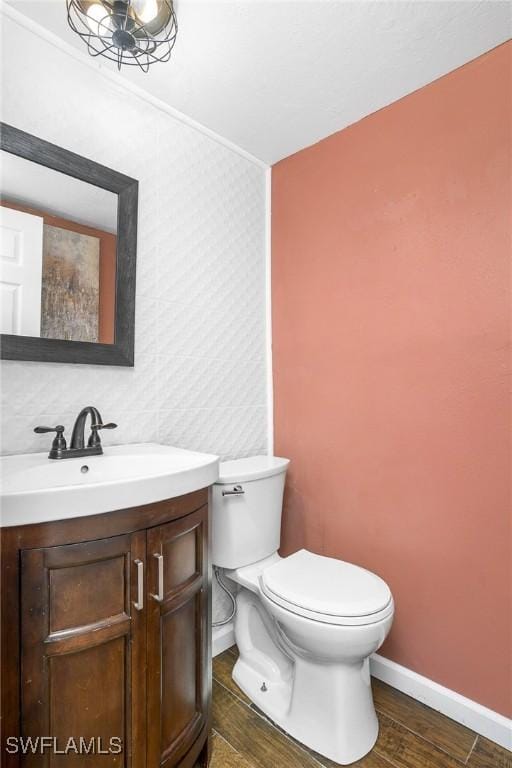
<point>247,502</point>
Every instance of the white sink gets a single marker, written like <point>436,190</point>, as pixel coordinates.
<point>36,489</point>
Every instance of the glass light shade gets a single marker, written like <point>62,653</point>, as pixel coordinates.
<point>98,20</point>
<point>145,10</point>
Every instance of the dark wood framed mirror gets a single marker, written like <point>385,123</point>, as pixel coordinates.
<point>68,237</point>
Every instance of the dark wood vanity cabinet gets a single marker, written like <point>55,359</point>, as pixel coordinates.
<point>106,638</point>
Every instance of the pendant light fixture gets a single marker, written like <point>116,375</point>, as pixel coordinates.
<point>134,33</point>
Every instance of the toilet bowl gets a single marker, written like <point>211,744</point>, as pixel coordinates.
<point>305,625</point>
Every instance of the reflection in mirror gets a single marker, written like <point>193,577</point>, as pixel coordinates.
<point>58,240</point>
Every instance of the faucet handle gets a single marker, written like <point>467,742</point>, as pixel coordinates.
<point>59,429</point>
<point>94,438</point>
<point>59,441</point>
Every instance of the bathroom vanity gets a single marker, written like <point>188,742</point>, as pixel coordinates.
<point>106,619</point>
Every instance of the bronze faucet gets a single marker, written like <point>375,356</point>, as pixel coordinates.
<point>59,449</point>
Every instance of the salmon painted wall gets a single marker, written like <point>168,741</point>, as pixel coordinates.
<point>391,243</point>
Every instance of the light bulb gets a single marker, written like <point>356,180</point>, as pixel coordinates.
<point>146,10</point>
<point>98,20</point>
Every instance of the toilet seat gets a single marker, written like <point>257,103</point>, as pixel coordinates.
<point>327,590</point>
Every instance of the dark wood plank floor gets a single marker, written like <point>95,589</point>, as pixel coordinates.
<point>411,735</point>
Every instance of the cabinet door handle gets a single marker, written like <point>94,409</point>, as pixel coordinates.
<point>160,594</point>
<point>139,604</point>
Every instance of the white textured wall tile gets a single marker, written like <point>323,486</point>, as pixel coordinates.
<point>228,432</point>
<point>190,382</point>
<point>226,328</point>
<point>146,326</point>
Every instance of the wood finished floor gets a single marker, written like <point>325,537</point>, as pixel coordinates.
<point>411,735</point>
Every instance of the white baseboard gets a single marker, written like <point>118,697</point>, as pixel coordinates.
<point>484,721</point>
<point>222,638</point>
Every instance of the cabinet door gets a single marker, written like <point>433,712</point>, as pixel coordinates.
<point>83,653</point>
<point>177,637</point>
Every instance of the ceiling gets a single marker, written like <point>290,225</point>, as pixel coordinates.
<point>274,76</point>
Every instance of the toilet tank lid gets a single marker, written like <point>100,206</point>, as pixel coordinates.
<point>251,468</point>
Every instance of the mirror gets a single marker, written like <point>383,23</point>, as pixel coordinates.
<point>67,255</point>
<point>58,247</point>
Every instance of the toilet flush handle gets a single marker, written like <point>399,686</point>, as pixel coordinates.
<point>237,491</point>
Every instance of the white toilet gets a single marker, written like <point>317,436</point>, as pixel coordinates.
<point>305,624</point>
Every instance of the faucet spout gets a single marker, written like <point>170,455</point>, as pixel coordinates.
<point>78,434</point>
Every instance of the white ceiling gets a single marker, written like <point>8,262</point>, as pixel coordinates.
<point>274,76</point>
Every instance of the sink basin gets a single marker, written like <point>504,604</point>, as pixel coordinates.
<point>36,489</point>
